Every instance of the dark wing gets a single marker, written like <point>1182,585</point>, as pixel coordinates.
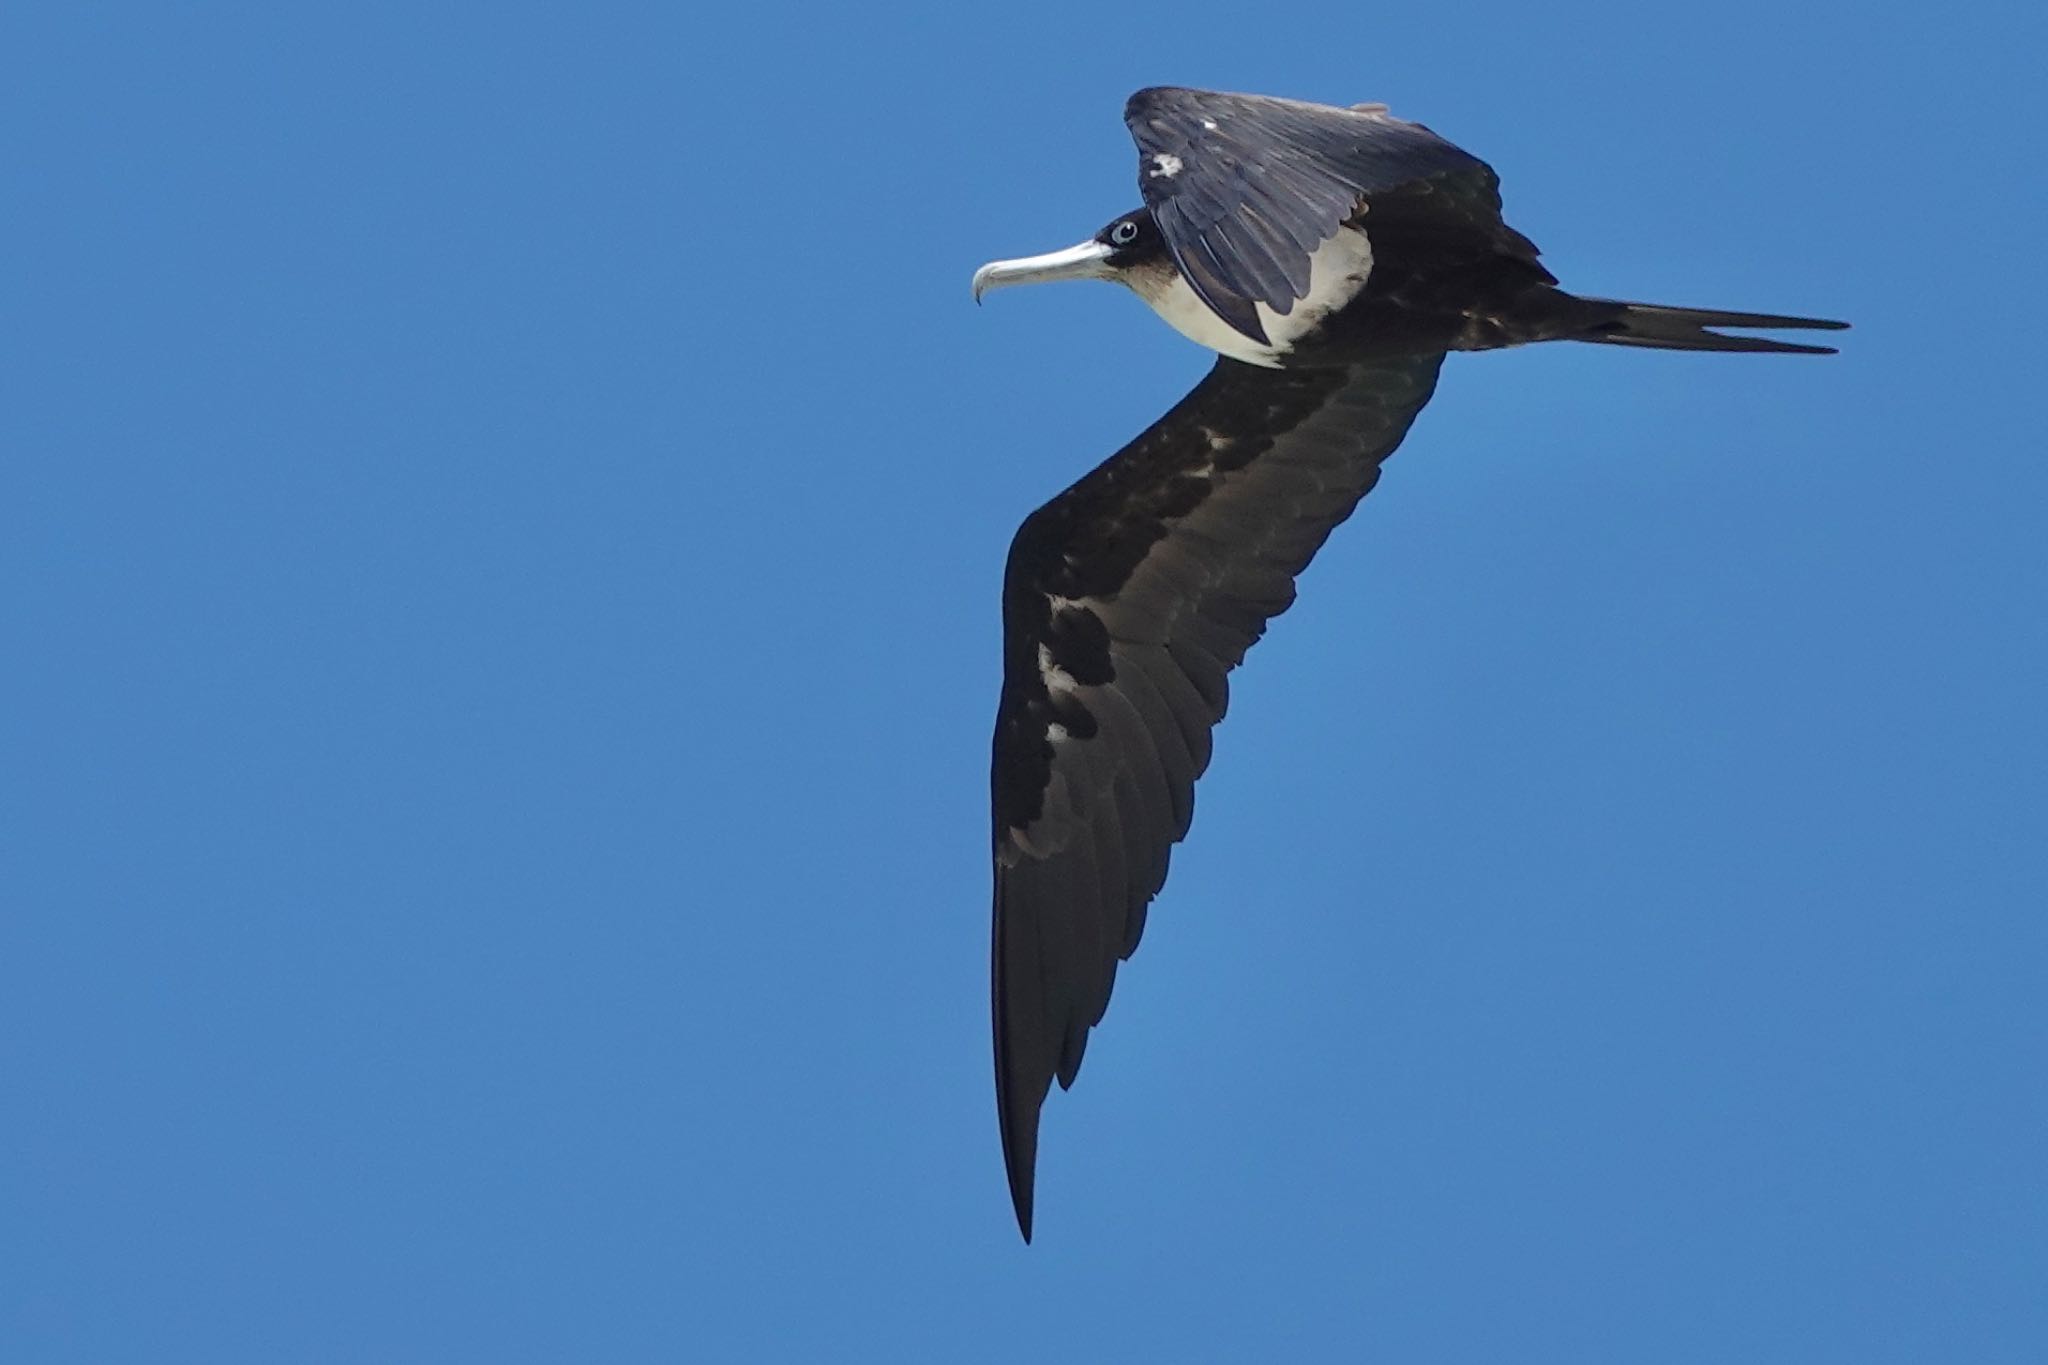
<point>1126,601</point>
<point>1244,187</point>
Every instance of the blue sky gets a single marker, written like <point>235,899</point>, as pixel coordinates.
<point>501,512</point>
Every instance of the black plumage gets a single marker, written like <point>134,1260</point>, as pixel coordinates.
<point>1129,598</point>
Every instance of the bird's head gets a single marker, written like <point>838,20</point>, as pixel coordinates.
<point>1127,250</point>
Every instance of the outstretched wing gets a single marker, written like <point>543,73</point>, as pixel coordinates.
<point>1126,601</point>
<point>1245,187</point>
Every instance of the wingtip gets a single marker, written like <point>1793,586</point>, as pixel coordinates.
<point>1020,1196</point>
<point>1017,1100</point>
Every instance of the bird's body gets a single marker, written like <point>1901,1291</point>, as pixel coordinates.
<point>1332,257</point>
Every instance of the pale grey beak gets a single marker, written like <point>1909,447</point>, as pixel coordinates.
<point>1088,261</point>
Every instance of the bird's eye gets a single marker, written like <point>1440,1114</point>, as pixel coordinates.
<point>1124,233</point>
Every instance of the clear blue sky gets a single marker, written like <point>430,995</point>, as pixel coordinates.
<point>501,511</point>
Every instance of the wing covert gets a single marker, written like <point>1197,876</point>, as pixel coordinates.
<point>1244,187</point>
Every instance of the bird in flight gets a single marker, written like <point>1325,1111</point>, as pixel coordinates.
<point>1331,257</point>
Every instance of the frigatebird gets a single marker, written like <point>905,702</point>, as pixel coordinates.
<point>1332,257</point>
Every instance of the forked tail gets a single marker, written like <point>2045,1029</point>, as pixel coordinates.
<point>1686,329</point>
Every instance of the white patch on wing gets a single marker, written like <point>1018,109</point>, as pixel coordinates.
<point>1165,164</point>
<point>1057,679</point>
<point>1338,269</point>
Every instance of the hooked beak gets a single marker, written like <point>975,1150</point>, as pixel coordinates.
<point>1088,261</point>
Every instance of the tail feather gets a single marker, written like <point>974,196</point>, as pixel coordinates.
<point>1686,329</point>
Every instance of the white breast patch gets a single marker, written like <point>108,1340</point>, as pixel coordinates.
<point>1337,271</point>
